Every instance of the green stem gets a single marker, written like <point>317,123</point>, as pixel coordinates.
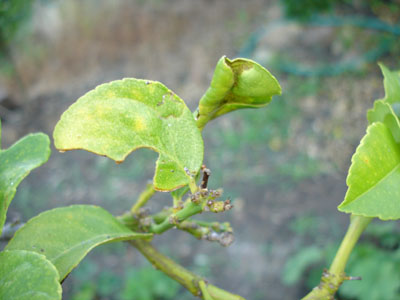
<point>204,292</point>
<point>175,271</point>
<point>356,228</point>
<point>174,219</point>
<point>332,279</point>
<point>162,215</point>
<point>193,186</point>
<point>216,226</point>
<point>143,198</point>
<point>200,229</point>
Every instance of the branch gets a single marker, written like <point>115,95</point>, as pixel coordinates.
<point>175,271</point>
<point>204,291</point>
<point>143,198</point>
<point>174,219</point>
<point>332,279</point>
<point>200,200</point>
<point>214,231</point>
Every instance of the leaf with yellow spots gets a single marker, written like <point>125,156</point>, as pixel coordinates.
<point>16,162</point>
<point>374,176</point>
<point>65,235</point>
<point>119,117</point>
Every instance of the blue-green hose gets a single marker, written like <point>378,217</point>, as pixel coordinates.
<point>331,21</point>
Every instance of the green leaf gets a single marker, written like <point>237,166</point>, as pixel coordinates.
<point>65,235</point>
<point>383,112</point>
<point>119,117</point>
<point>238,83</point>
<point>374,176</point>
<point>26,275</point>
<point>16,162</point>
<point>391,83</point>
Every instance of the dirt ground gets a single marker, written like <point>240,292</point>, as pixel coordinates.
<point>74,46</point>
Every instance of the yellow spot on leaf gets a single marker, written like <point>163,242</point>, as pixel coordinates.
<point>140,124</point>
<point>110,94</point>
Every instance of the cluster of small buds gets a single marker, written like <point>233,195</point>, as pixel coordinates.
<point>145,222</point>
<point>227,204</point>
<point>179,206</point>
<point>218,206</point>
<point>173,220</point>
<point>224,238</point>
<point>204,193</point>
<point>215,193</point>
<point>194,226</point>
<point>196,197</point>
<point>143,212</point>
<point>143,217</point>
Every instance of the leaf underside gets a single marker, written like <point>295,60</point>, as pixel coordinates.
<point>374,176</point>
<point>236,84</point>
<point>26,275</point>
<point>65,235</point>
<point>383,112</point>
<point>15,164</point>
<point>391,84</point>
<point>121,116</point>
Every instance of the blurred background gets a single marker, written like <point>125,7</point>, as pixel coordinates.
<point>284,166</point>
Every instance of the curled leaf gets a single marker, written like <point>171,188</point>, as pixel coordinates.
<point>121,116</point>
<point>238,83</point>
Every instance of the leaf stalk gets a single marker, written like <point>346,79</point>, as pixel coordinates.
<point>143,198</point>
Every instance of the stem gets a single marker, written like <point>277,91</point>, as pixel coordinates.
<point>356,228</point>
<point>213,232</point>
<point>143,198</point>
<point>175,271</point>
<point>193,186</point>
<point>174,219</point>
<point>203,288</point>
<point>162,215</point>
<point>332,279</point>
<point>216,226</point>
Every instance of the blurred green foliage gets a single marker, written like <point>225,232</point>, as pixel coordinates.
<point>376,259</point>
<point>147,284</point>
<point>139,283</point>
<point>304,9</point>
<point>13,13</point>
